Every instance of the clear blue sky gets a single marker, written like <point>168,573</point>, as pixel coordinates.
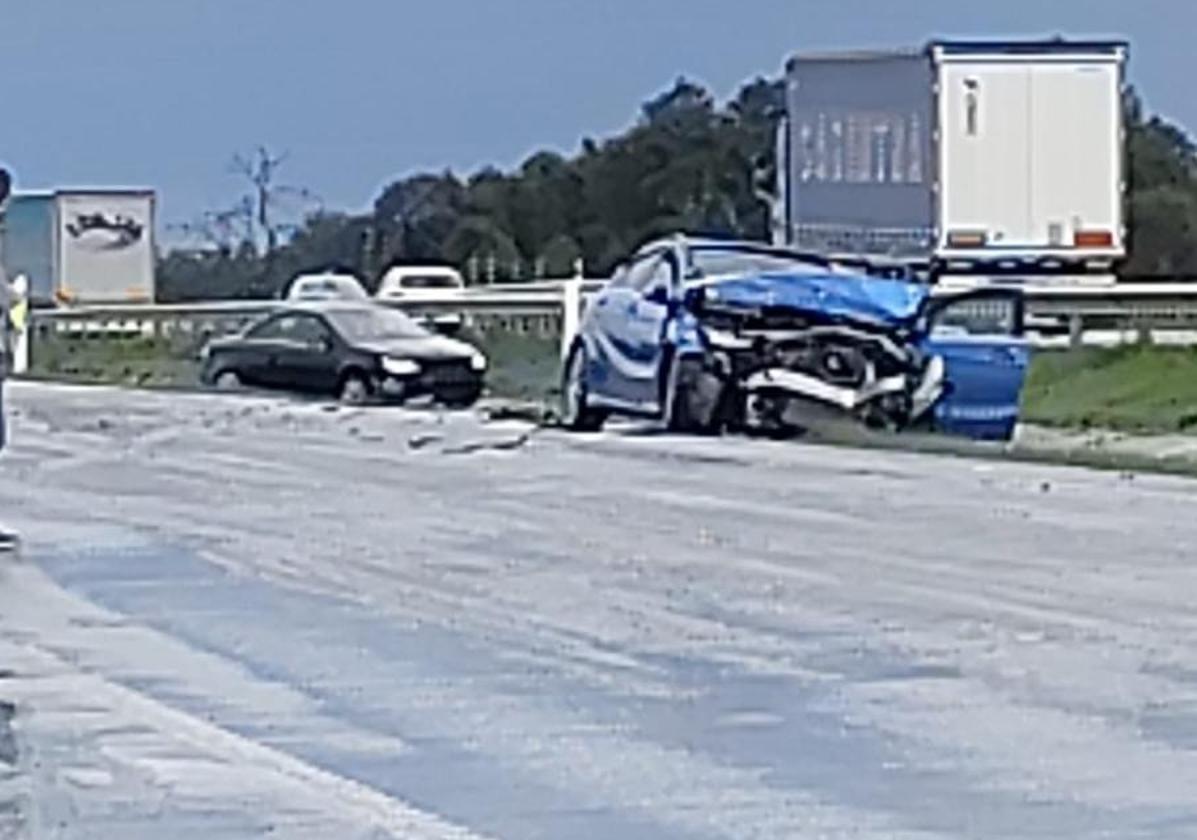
<point>161,92</point>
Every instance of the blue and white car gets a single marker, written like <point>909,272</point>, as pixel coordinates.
<point>707,335</point>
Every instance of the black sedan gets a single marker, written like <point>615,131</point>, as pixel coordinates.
<point>355,351</point>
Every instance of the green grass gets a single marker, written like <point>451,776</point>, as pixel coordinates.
<point>522,366</point>
<point>1135,389</point>
<point>118,361</point>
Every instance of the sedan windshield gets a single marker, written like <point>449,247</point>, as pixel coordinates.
<point>717,262</point>
<point>429,281</point>
<point>374,323</point>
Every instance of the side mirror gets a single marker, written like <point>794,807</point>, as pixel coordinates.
<point>325,345</point>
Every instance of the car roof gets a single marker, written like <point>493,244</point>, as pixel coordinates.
<point>332,306</point>
<point>423,269</point>
<point>746,246</point>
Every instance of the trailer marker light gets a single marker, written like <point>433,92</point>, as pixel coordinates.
<point>967,238</point>
<point>1093,239</point>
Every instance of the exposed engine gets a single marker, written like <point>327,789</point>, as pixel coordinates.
<point>777,372</point>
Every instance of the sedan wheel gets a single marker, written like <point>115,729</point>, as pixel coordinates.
<point>355,390</point>
<point>679,410</point>
<point>229,380</point>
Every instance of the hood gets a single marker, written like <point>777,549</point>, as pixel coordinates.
<point>852,296</point>
<point>427,347</point>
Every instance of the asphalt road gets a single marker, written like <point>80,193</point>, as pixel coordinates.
<point>249,617</point>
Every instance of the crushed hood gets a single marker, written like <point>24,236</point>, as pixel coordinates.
<point>851,296</point>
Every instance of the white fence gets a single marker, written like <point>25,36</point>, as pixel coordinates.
<point>1070,314</point>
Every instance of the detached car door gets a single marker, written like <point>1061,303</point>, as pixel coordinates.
<point>980,337</point>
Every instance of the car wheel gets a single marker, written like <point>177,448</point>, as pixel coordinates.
<point>576,414</point>
<point>355,390</point>
<point>228,380</point>
<point>461,400</point>
<point>678,409</point>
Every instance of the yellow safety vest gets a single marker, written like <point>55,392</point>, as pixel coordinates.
<point>19,314</point>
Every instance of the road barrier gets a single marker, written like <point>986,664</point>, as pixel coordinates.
<point>65,341</point>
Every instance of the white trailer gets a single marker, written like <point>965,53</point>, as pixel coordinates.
<point>82,246</point>
<point>969,155</point>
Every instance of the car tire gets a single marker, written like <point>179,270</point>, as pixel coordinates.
<point>677,400</point>
<point>576,413</point>
<point>355,389</point>
<point>460,400</point>
<point>229,381</point>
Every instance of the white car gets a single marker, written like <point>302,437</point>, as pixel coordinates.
<point>327,286</point>
<point>416,282</point>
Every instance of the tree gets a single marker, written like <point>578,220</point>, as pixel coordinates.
<point>413,217</point>
<point>688,163</point>
<point>480,239</point>
<point>681,100</point>
<point>1162,202</point>
<point>270,208</point>
<point>560,255</point>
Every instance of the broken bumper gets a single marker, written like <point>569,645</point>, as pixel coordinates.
<point>916,395</point>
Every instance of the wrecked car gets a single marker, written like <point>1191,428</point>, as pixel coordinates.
<point>711,335</point>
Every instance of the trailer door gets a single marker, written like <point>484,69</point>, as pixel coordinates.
<point>1076,189</point>
<point>1030,150</point>
<point>984,108</point>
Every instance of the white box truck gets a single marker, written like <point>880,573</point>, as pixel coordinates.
<point>82,246</point>
<point>967,155</point>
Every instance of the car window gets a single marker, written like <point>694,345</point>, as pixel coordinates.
<point>309,330</point>
<point>978,315</point>
<point>661,275</point>
<point>375,323</point>
<point>647,271</point>
<point>276,327</point>
<point>429,281</point>
<point>715,262</point>
<point>619,278</point>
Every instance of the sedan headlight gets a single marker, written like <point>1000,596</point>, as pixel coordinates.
<point>477,361</point>
<point>400,367</point>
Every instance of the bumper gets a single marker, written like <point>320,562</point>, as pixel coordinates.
<point>455,387</point>
<point>794,383</point>
<point>785,397</point>
<point>922,394</point>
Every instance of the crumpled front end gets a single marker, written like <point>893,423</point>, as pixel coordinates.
<point>795,352</point>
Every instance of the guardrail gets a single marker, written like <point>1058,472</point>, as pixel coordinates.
<point>1071,310</point>
<point>544,315</point>
<point>519,326</point>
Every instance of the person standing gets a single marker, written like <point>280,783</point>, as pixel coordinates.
<point>8,539</point>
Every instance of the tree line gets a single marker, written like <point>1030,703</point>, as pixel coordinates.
<point>688,163</point>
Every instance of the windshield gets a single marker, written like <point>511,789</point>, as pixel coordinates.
<point>717,262</point>
<point>429,281</point>
<point>327,287</point>
<point>314,290</point>
<point>374,324</point>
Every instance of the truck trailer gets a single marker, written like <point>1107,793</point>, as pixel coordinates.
<point>82,246</point>
<point>963,156</point>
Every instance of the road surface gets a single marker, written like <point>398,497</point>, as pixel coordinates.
<point>244,617</point>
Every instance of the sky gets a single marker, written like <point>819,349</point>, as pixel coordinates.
<point>162,93</point>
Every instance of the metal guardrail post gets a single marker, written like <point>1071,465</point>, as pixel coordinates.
<point>571,311</point>
<point>1076,330</point>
